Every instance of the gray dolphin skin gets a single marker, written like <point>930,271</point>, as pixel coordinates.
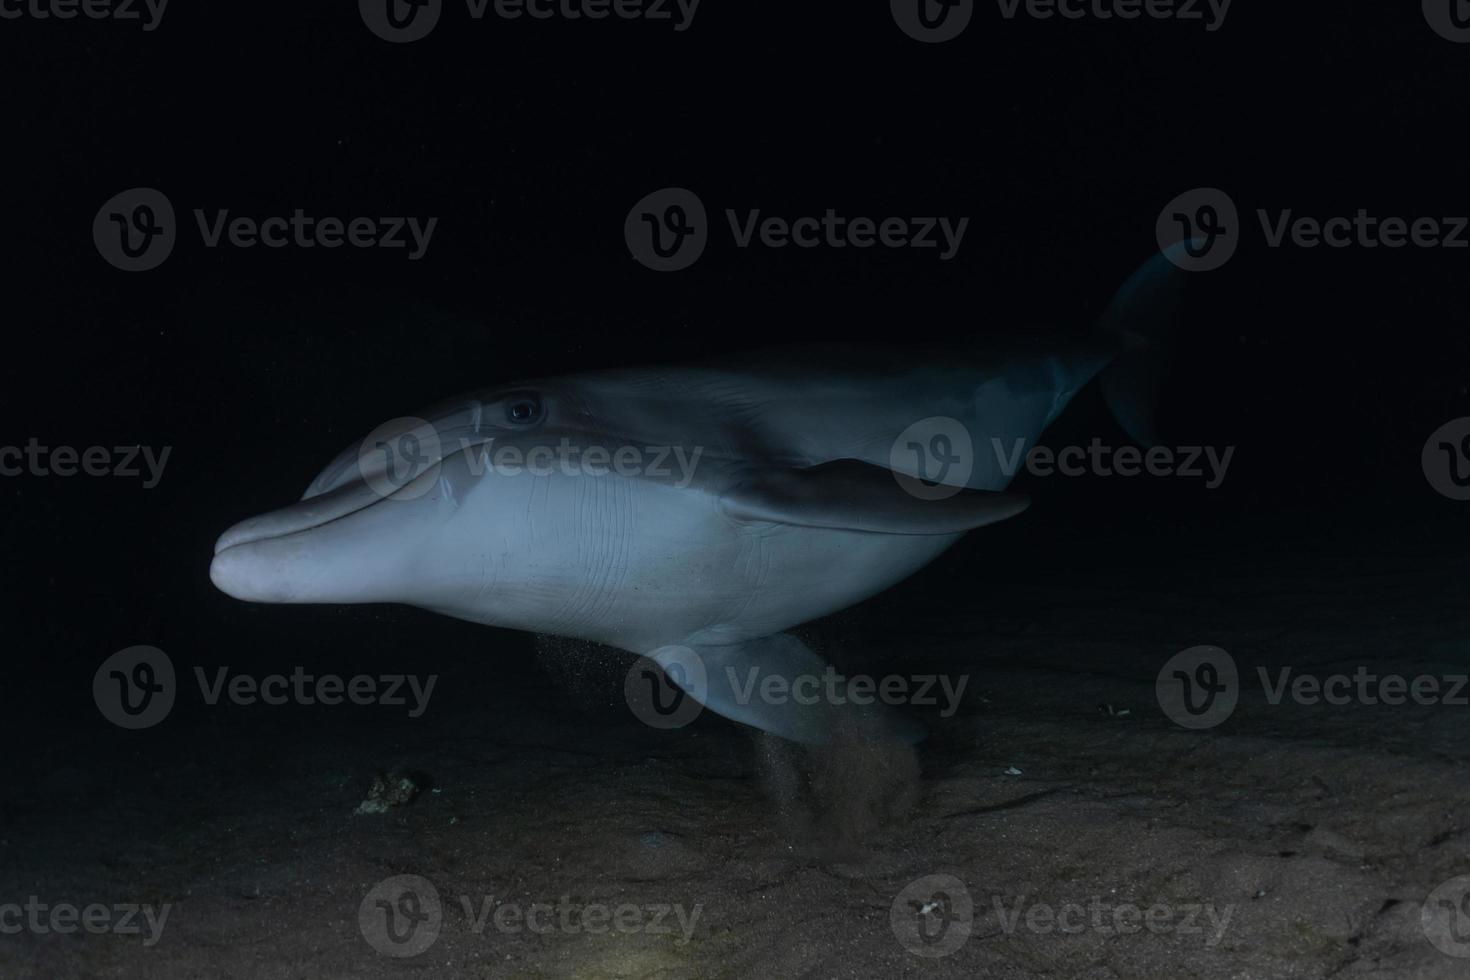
<point>690,514</point>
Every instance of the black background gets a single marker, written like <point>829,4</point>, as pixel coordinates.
<point>530,141</point>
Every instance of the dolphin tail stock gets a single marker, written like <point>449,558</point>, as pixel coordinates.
<point>1138,323</point>
<point>778,685</point>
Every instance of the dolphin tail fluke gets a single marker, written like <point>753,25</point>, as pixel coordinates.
<point>777,684</point>
<point>1139,322</point>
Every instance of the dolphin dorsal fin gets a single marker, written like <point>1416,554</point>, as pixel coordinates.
<point>851,495</point>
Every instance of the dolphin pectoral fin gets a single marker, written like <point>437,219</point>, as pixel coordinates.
<point>848,494</point>
<point>777,684</point>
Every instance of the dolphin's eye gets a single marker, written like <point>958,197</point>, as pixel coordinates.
<point>523,409</point>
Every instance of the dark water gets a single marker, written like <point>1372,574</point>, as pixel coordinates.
<point>1326,548</point>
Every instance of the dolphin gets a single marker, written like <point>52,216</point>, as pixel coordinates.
<point>695,514</point>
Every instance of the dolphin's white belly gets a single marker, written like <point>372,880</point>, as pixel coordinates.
<point>639,564</point>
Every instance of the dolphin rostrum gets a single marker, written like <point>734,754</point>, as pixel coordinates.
<point>691,514</point>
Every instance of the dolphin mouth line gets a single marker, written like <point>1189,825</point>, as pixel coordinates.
<point>304,515</point>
